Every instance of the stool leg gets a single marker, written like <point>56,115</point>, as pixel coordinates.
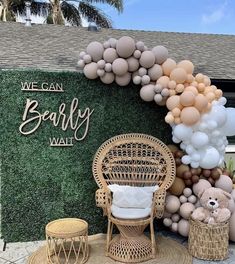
<point>109,235</point>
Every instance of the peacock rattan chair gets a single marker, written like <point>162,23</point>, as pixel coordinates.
<point>135,160</point>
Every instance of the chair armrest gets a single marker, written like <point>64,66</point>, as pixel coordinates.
<point>103,199</point>
<point>159,198</point>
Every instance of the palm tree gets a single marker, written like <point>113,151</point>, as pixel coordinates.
<point>70,10</point>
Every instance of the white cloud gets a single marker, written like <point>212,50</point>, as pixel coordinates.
<point>215,15</point>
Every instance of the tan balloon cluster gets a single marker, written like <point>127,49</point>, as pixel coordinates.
<point>163,80</point>
<point>194,97</point>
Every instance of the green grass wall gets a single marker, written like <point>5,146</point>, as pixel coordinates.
<point>42,183</point>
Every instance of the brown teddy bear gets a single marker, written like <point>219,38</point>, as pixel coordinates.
<point>214,202</point>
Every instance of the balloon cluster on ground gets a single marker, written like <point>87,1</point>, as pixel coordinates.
<point>199,120</point>
<point>182,198</point>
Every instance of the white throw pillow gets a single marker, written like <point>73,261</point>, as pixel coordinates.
<point>130,213</point>
<point>125,196</point>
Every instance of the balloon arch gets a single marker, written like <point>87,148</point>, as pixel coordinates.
<point>197,114</point>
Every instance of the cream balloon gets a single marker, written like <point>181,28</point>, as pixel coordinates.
<point>120,66</point>
<point>95,49</point>
<point>125,46</point>
<point>90,70</point>
<point>147,92</point>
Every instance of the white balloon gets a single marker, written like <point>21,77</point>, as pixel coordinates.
<point>194,164</point>
<point>211,124</point>
<point>218,113</point>
<point>182,132</point>
<point>229,127</point>
<point>195,157</point>
<point>186,159</point>
<point>210,157</point>
<point>199,139</point>
<point>190,149</point>
<point>222,101</point>
<point>176,140</point>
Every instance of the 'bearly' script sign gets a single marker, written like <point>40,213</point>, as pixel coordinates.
<point>66,117</point>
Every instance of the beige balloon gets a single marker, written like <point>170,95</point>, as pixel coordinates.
<point>95,49</point>
<point>161,54</point>
<point>123,80</point>
<point>125,46</point>
<point>179,75</point>
<point>147,92</point>
<point>110,55</point>
<point>147,59</point>
<point>108,78</point>
<point>189,115</point>
<point>133,64</point>
<point>120,66</point>
<point>168,66</point>
<point>186,65</point>
<point>90,70</point>
<point>155,72</point>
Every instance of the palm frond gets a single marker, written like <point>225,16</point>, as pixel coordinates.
<point>71,13</point>
<point>94,14</point>
<point>117,4</point>
<point>36,7</point>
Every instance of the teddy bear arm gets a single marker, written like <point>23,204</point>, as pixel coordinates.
<point>199,214</point>
<point>223,215</point>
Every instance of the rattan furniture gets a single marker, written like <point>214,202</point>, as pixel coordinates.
<point>135,160</point>
<point>67,241</point>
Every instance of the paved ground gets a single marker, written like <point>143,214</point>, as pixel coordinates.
<point>18,253</point>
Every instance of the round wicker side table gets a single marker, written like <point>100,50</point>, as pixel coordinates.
<point>67,241</point>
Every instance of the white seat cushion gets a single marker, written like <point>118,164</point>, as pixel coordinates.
<point>125,196</point>
<point>130,213</point>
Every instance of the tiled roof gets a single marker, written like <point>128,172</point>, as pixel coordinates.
<point>54,47</point>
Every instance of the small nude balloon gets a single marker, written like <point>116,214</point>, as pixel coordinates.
<point>110,55</point>
<point>123,80</point>
<point>120,66</point>
<point>95,49</point>
<point>190,115</point>
<point>108,78</point>
<point>179,75</point>
<point>90,70</point>
<point>186,65</point>
<point>133,64</point>
<point>147,59</point>
<point>161,54</point>
<point>155,72</point>
<point>168,66</point>
<point>147,92</point>
<point>125,46</point>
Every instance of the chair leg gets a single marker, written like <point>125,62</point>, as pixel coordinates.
<point>109,235</point>
<point>153,241</point>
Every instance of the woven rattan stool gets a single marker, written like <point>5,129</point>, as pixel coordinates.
<point>67,241</point>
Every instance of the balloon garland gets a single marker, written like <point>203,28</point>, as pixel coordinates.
<point>200,122</point>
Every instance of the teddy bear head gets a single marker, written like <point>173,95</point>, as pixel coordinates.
<point>213,198</point>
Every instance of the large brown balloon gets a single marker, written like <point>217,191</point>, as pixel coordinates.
<point>90,70</point>
<point>147,59</point>
<point>155,72</point>
<point>110,55</point>
<point>124,79</point>
<point>95,49</point>
<point>177,186</point>
<point>181,169</point>
<point>120,66</point>
<point>125,46</point>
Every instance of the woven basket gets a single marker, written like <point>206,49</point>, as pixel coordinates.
<point>209,242</point>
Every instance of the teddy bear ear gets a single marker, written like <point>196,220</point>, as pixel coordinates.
<point>228,195</point>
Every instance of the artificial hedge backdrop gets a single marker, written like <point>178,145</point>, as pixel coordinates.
<point>41,183</point>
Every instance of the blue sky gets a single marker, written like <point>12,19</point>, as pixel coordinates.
<point>197,16</point>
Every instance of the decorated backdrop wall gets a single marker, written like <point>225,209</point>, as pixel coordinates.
<point>41,183</point>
